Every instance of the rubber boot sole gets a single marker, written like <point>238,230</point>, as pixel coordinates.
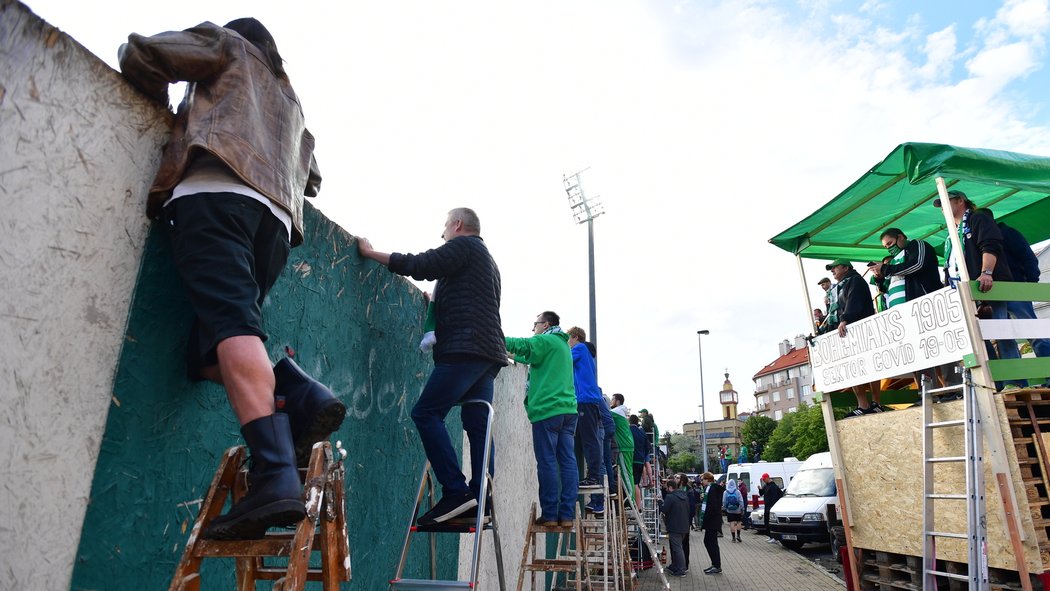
<point>253,524</point>
<point>323,423</point>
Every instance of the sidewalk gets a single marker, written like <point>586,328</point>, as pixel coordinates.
<point>753,564</point>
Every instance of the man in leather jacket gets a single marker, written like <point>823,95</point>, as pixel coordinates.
<point>230,190</point>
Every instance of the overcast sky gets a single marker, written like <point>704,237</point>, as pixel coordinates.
<point>708,128</point>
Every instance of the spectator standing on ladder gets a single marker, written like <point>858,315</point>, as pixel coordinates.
<point>468,353</point>
<point>229,190</point>
<point>551,407</point>
<point>590,429</point>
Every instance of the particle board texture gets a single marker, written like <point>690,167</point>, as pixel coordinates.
<point>78,149</point>
<point>882,454</point>
<point>354,326</point>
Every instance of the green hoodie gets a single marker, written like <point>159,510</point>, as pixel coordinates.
<point>550,390</point>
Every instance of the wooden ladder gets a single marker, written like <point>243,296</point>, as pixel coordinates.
<point>322,530</point>
<point>570,559</point>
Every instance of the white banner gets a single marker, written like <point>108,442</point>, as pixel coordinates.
<point>915,335</point>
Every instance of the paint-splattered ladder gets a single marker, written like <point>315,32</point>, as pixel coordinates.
<point>323,530</point>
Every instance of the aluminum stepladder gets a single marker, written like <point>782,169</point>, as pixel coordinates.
<point>323,529</point>
<point>485,519</point>
<point>650,513</point>
<point>972,461</point>
<point>634,518</point>
<point>601,550</point>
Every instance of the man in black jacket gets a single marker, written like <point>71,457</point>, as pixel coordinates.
<point>771,493</point>
<point>854,304</point>
<point>712,521</point>
<point>917,269</point>
<point>982,244</point>
<point>468,354</point>
<point>675,508</point>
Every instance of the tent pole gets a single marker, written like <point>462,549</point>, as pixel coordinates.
<point>805,292</point>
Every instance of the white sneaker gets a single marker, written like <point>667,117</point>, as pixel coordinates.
<point>771,540</point>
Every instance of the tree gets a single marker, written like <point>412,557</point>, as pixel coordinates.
<point>780,441</point>
<point>758,428</point>
<point>681,442</point>
<point>809,434</point>
<point>682,461</point>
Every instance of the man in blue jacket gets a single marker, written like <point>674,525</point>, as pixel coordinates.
<point>590,430</point>
<point>1024,266</point>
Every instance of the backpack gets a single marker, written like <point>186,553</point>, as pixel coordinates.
<point>733,502</point>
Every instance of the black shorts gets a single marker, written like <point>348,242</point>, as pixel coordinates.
<point>229,250</point>
<point>731,517</point>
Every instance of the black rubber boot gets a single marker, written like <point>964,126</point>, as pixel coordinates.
<point>315,413</point>
<point>274,496</point>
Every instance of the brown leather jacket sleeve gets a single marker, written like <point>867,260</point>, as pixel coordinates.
<point>151,63</point>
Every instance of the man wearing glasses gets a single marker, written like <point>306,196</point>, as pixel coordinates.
<point>551,407</point>
<point>468,354</point>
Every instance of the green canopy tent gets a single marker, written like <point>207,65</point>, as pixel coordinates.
<point>899,192</point>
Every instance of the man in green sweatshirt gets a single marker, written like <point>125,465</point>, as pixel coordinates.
<point>550,404</point>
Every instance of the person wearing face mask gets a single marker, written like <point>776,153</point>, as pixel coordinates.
<point>912,271</point>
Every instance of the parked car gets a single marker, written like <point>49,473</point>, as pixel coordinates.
<point>808,511</point>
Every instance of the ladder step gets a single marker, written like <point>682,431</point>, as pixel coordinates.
<point>413,584</point>
<point>953,423</point>
<point>958,387</point>
<point>946,459</point>
<point>944,534</point>
<point>941,573</point>
<point>947,496</point>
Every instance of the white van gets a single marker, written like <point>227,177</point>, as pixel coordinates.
<point>807,512</point>
<point>751,472</point>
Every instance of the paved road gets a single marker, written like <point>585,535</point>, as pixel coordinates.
<point>750,565</point>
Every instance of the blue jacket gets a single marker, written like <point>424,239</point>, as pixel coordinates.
<point>585,376</point>
<point>1024,265</point>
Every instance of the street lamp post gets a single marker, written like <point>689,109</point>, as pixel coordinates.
<point>585,209</point>
<point>703,419</point>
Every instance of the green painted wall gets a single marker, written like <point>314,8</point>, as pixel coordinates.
<point>352,324</point>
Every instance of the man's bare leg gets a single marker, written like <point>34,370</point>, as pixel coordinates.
<point>245,371</point>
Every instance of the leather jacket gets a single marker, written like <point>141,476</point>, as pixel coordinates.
<point>235,108</point>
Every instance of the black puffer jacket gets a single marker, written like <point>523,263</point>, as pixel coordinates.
<point>466,298</point>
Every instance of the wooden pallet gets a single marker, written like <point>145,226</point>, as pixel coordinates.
<point>1028,414</point>
<point>887,571</point>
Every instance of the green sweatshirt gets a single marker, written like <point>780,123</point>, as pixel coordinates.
<point>550,390</point>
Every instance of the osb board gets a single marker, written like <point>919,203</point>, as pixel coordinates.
<point>882,454</point>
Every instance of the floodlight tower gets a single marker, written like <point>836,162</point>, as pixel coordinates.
<point>585,209</point>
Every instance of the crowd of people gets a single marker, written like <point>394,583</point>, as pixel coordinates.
<point>991,252</point>
<point>707,500</point>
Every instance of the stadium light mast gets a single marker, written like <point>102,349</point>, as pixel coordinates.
<point>703,419</point>
<point>584,210</point>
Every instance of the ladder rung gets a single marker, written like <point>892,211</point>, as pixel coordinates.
<point>945,389</point>
<point>946,459</point>
<point>410,584</point>
<point>945,534</point>
<point>947,496</point>
<point>953,423</point>
<point>941,573</point>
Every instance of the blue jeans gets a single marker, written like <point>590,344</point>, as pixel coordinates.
<point>1005,348</point>
<point>552,441</point>
<point>609,426</point>
<point>1026,311</point>
<point>591,434</point>
<point>449,384</point>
